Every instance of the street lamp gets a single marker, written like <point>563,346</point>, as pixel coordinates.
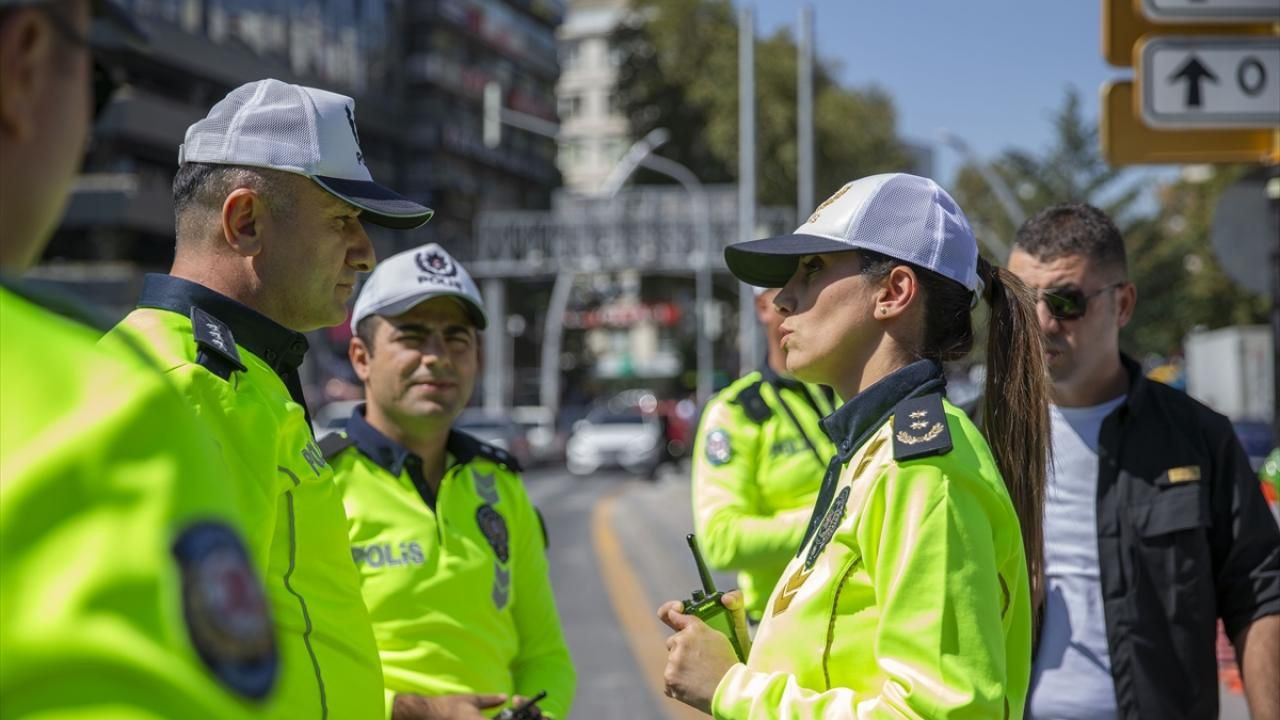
<point>640,154</point>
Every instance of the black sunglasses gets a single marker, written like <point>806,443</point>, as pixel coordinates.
<point>1071,303</point>
<point>106,80</point>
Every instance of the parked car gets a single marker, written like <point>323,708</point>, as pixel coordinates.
<point>546,443</point>
<point>497,430</point>
<point>616,436</point>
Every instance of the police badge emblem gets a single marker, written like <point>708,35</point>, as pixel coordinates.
<point>827,530</point>
<point>226,609</point>
<point>719,450</point>
<point>435,262</point>
<point>494,528</point>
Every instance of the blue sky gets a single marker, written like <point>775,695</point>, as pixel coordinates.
<point>990,71</point>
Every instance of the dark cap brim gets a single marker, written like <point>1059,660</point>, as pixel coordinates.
<point>772,261</point>
<point>381,206</point>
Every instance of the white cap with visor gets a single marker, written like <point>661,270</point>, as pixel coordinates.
<point>301,130</point>
<point>906,217</point>
<point>407,279</point>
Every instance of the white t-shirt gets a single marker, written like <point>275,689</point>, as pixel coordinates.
<point>1071,677</point>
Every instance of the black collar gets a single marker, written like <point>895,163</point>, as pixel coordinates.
<point>853,423</point>
<point>281,348</point>
<point>773,378</point>
<point>1137,383</point>
<point>391,455</point>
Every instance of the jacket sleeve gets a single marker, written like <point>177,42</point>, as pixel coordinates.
<point>542,661</point>
<point>253,477</point>
<point>928,547</point>
<point>1246,543</point>
<point>733,532</point>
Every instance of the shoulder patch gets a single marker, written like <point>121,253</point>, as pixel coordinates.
<point>225,608</point>
<point>920,428</point>
<point>753,404</point>
<point>719,448</point>
<point>215,347</point>
<point>471,445</point>
<point>334,443</point>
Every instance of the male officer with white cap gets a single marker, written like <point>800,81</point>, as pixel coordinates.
<point>450,549</point>
<point>125,589</point>
<point>269,199</point>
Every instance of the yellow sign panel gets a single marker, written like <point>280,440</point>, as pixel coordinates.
<point>1126,141</point>
<point>1123,23</point>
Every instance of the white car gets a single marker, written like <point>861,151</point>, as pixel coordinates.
<point>628,438</point>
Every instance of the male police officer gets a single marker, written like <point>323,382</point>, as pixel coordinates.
<point>124,587</point>
<point>450,549</point>
<point>758,460</point>
<point>269,198</point>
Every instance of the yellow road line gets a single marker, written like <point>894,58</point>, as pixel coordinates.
<point>635,610</point>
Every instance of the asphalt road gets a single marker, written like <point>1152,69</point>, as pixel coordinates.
<point>617,551</point>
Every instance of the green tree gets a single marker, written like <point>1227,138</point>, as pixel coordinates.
<point>1180,283</point>
<point>679,70</point>
<point>1070,170</point>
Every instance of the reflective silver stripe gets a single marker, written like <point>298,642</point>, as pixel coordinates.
<point>306,616</point>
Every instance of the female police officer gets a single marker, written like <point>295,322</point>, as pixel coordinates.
<point>910,594</point>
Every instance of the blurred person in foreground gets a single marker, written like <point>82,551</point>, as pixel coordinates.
<point>1154,523</point>
<point>270,198</point>
<point>911,593</point>
<point>451,551</point>
<point>758,460</point>
<point>125,588</point>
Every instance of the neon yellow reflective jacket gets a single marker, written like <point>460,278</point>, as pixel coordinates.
<point>125,590</point>
<point>458,584</point>
<point>234,367</point>
<point>910,596</point>
<point>758,460</point>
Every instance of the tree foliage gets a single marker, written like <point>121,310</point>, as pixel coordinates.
<point>679,70</point>
<point>1181,285</point>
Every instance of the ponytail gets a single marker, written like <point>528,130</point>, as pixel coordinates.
<point>1015,400</point>
<point>1015,408</point>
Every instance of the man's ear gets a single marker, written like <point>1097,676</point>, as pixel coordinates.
<point>27,48</point>
<point>1126,301</point>
<point>243,215</point>
<point>358,353</point>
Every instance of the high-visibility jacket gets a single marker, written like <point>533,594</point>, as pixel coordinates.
<point>909,597</point>
<point>125,589</point>
<point>456,581</point>
<point>758,460</point>
<point>238,369</point>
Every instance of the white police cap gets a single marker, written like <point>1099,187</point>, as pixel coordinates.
<point>406,279</point>
<point>906,217</point>
<point>301,130</point>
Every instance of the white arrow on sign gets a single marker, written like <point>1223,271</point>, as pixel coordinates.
<point>1210,82</point>
<point>1226,11</point>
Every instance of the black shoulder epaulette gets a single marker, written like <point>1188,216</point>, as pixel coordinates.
<point>215,347</point>
<point>920,428</point>
<point>475,446</point>
<point>334,443</point>
<point>753,404</point>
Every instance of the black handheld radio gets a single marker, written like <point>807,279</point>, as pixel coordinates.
<point>527,710</point>
<point>705,604</point>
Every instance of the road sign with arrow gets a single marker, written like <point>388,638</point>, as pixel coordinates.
<point>1210,82</point>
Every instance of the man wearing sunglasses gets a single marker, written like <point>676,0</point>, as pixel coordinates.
<point>1154,524</point>
<point>125,588</point>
